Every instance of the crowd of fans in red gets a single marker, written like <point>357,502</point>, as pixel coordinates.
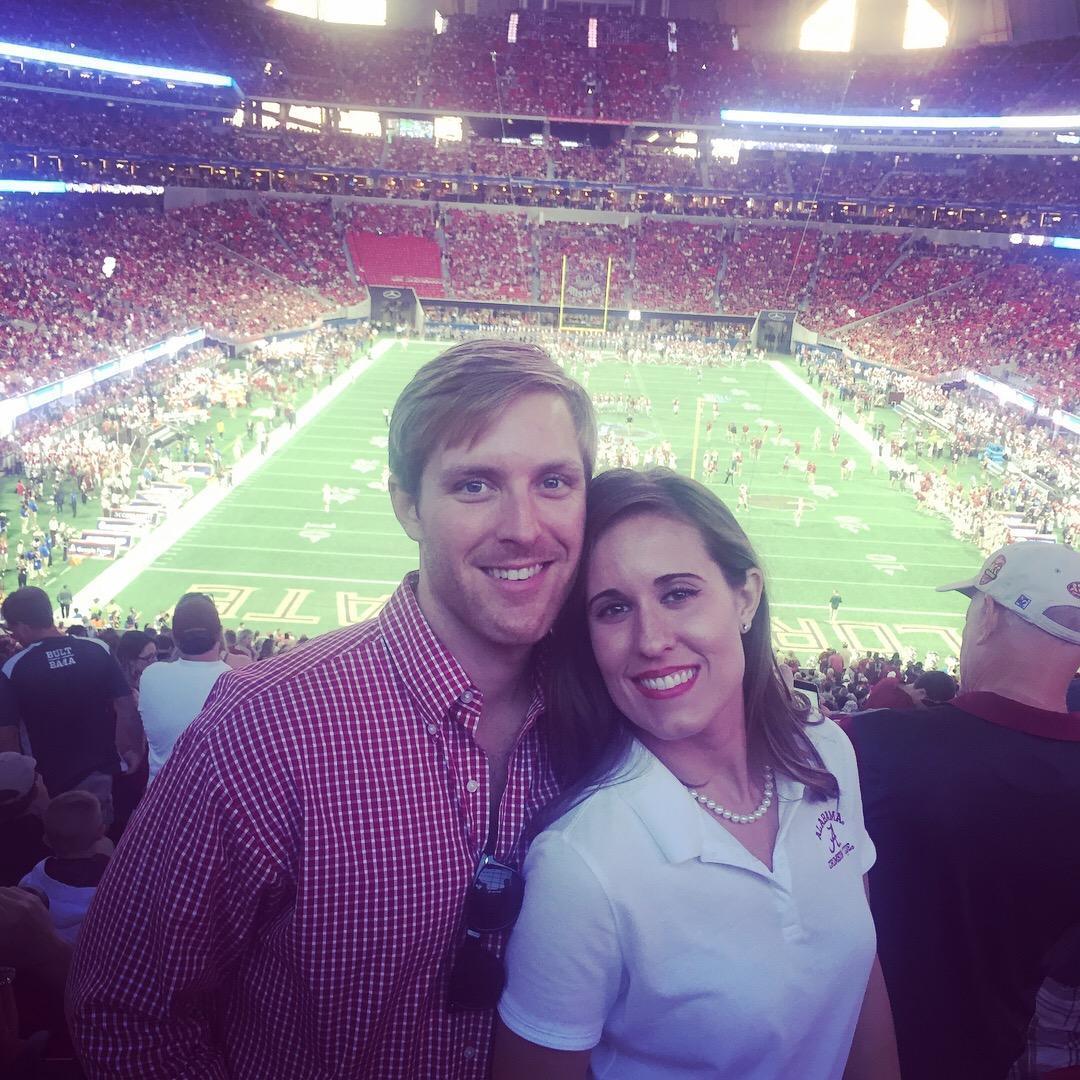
<point>244,268</point>
<point>156,143</point>
<point>224,268</point>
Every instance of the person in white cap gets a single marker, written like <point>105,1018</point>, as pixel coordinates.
<point>974,807</point>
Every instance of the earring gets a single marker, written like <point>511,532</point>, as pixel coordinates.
<point>745,628</point>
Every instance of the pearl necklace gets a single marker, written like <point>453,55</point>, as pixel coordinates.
<point>740,819</point>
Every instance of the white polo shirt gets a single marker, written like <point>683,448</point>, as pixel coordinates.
<point>170,697</point>
<point>651,934</point>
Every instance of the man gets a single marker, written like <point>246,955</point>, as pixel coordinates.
<point>974,807</point>
<point>63,599</point>
<point>172,695</point>
<point>834,605</point>
<point>65,701</point>
<point>238,651</point>
<point>290,901</point>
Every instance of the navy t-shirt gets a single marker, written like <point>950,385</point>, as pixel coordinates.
<point>62,689</point>
<point>974,808</point>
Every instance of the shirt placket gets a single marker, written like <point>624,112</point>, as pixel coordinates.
<point>469,778</point>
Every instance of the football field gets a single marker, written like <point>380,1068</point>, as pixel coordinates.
<point>276,556</point>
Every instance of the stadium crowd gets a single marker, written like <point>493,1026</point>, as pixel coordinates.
<point>969,190</point>
<point>245,268</point>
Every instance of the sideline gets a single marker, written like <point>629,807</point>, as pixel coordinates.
<point>104,588</point>
<point>847,425</point>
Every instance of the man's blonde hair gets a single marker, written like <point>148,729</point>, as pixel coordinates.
<point>454,397</point>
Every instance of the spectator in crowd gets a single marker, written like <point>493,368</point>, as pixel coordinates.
<point>211,948</point>
<point>135,652</point>
<point>672,735</point>
<point>938,687</point>
<point>75,832</point>
<point>174,694</point>
<point>66,701</point>
<point>973,807</point>
<point>238,651</point>
<point>22,799</point>
<point>40,958</point>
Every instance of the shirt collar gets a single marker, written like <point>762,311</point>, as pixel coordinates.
<point>1005,712</point>
<point>435,680</point>
<point>680,829</point>
<point>432,676</point>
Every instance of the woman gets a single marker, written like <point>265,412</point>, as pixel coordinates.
<point>696,907</point>
<point>135,652</point>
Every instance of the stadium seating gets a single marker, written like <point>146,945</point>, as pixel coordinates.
<point>399,261</point>
<point>490,256</point>
<point>587,249</point>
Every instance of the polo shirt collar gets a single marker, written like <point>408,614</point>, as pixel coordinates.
<point>1005,712</point>
<point>431,675</point>
<point>680,829</point>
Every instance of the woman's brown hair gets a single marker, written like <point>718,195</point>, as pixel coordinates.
<point>588,737</point>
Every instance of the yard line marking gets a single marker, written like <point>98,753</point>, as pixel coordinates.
<point>200,572</point>
<point>308,551</point>
<point>875,610</point>
<point>301,510</point>
<point>398,535</point>
<point>954,567</point>
<point>867,583</point>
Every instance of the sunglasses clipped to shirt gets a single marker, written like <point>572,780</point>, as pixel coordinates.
<point>492,903</point>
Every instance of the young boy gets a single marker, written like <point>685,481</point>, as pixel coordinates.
<point>74,830</point>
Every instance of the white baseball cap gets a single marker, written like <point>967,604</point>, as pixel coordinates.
<point>1040,582</point>
<point>17,773</point>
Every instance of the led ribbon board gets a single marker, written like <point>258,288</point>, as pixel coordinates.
<point>59,187</point>
<point>113,67</point>
<point>907,122</point>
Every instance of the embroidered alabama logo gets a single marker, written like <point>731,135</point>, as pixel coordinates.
<point>991,572</point>
<point>1074,589</point>
<point>837,848</point>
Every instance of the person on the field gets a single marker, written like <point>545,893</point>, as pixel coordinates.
<point>834,605</point>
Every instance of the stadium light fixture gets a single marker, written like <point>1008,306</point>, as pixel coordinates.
<point>113,67</point>
<point>925,27</point>
<point>831,28</point>
<point>907,122</point>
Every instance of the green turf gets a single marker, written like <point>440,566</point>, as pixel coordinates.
<point>274,559</point>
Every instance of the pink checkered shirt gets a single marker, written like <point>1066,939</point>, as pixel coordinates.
<point>288,898</point>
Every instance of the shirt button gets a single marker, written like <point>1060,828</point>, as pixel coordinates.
<point>470,1053</point>
<point>432,728</point>
<point>472,786</point>
<point>467,699</point>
